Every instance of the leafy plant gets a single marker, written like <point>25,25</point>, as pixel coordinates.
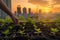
<point>21,32</point>
<point>21,18</point>
<point>38,30</point>
<point>54,30</point>
<point>57,19</point>
<point>32,22</point>
<point>8,19</point>
<point>58,25</point>
<point>10,27</point>
<point>2,21</point>
<point>6,32</point>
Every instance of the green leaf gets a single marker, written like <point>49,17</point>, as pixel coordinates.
<point>6,32</point>
<point>54,30</point>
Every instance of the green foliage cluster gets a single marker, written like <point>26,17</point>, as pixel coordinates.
<point>6,32</point>
<point>21,18</point>
<point>7,19</point>
<point>57,19</point>
<point>54,30</point>
<point>30,20</point>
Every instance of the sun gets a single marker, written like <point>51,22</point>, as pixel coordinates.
<point>46,10</point>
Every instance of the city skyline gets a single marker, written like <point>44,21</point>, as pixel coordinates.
<point>44,5</point>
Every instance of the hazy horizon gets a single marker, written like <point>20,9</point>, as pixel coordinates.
<point>44,5</point>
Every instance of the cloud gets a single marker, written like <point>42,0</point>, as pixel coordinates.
<point>43,2</point>
<point>56,1</point>
<point>39,2</point>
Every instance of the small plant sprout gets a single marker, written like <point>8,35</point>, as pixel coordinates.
<point>54,30</point>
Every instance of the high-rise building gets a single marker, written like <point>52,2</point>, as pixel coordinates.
<point>25,15</point>
<point>29,10</point>
<point>24,10</point>
<point>18,9</point>
<point>40,15</point>
<point>2,13</point>
<point>40,11</point>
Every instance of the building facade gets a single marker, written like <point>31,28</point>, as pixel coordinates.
<point>25,15</point>
<point>2,13</point>
<point>29,10</point>
<point>18,10</point>
<point>24,10</point>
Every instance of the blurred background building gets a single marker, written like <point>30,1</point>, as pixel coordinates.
<point>2,13</point>
<point>25,15</point>
<point>18,10</point>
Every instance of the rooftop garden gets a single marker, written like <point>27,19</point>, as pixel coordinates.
<point>29,29</point>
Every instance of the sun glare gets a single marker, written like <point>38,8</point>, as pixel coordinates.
<point>46,10</point>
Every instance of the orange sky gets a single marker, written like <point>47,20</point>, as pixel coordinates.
<point>34,7</point>
<point>22,4</point>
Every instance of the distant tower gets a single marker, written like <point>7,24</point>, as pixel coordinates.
<point>18,9</point>
<point>29,10</point>
<point>24,10</point>
<point>25,15</point>
<point>40,11</point>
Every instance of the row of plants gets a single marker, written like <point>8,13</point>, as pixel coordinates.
<point>30,20</point>
<point>26,30</point>
<point>29,28</point>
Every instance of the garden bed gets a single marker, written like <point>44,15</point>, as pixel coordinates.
<point>30,31</point>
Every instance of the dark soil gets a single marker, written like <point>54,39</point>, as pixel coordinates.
<point>29,31</point>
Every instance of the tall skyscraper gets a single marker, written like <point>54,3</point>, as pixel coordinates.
<point>25,15</point>
<point>2,13</point>
<point>18,10</point>
<point>29,10</point>
<point>40,11</point>
<point>15,13</point>
<point>24,10</point>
